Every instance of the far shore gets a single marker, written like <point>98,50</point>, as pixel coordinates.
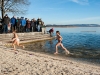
<point>66,26</point>
<point>62,26</point>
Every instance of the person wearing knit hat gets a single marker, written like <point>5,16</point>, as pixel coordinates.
<point>5,21</point>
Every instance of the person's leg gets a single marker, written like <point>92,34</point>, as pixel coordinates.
<point>31,29</point>
<point>35,28</point>
<point>18,29</point>
<point>38,28</point>
<point>14,27</point>
<point>23,29</point>
<point>64,48</point>
<point>4,28</point>
<point>58,44</point>
<point>11,28</point>
<point>14,45</point>
<point>19,44</point>
<point>28,29</point>
<point>50,34</point>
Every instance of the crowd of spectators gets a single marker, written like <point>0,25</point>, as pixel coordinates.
<point>20,24</point>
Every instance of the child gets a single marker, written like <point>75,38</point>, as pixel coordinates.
<point>16,40</point>
<point>59,38</point>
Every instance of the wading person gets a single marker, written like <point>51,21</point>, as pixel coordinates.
<point>15,40</point>
<point>59,43</point>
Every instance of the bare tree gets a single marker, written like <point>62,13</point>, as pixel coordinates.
<point>13,6</point>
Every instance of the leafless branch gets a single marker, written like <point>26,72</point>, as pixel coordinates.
<point>15,6</point>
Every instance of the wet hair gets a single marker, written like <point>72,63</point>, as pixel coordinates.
<point>58,32</point>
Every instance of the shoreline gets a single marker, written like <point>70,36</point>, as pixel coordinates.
<point>33,63</point>
<point>66,57</point>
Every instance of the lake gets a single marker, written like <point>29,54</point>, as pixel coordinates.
<point>82,42</point>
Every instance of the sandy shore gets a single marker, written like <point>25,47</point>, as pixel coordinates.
<point>31,63</point>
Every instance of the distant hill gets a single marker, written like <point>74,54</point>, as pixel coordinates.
<point>75,25</point>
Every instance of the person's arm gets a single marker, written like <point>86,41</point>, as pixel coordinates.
<point>13,39</point>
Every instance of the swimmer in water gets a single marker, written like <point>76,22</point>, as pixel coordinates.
<point>59,43</point>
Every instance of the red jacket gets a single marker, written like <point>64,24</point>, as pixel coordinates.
<point>51,30</point>
<point>28,24</point>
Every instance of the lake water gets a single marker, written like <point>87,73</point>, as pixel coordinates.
<point>83,42</point>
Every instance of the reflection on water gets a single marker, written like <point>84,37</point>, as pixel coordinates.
<point>85,45</point>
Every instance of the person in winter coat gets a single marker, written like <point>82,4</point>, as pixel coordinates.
<point>23,24</point>
<point>13,23</point>
<point>39,22</point>
<point>33,25</point>
<point>18,24</point>
<point>28,25</point>
<point>6,21</point>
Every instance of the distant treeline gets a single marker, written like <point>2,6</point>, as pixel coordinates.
<point>60,26</point>
<point>75,25</point>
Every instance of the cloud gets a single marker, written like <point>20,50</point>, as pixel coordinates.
<point>82,2</point>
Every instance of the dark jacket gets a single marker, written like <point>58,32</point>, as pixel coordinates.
<point>18,22</point>
<point>33,23</point>
<point>6,20</point>
<point>39,21</point>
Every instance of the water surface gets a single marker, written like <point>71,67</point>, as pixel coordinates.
<point>83,42</point>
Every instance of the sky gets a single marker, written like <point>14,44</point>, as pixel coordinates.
<point>65,11</point>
